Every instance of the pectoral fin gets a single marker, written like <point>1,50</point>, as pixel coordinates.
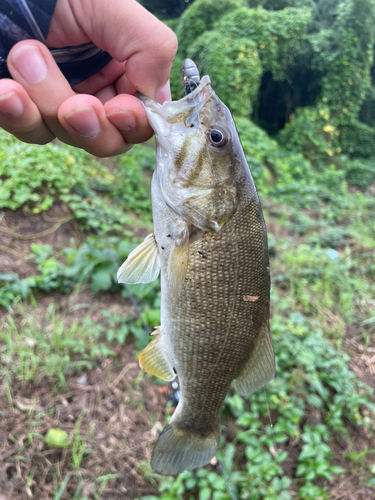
<point>154,360</point>
<point>178,263</point>
<point>142,264</point>
<point>260,368</point>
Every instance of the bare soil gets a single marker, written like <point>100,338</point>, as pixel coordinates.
<point>119,412</point>
<point>18,230</point>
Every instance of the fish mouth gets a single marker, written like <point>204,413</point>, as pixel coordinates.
<point>147,101</point>
<point>163,116</point>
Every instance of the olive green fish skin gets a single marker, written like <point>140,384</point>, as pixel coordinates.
<point>204,201</point>
<point>210,328</point>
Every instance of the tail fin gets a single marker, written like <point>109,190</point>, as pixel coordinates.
<point>177,450</point>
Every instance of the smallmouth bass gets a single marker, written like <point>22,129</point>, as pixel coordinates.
<point>210,245</point>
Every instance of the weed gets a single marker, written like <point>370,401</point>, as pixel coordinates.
<point>32,348</point>
<point>31,177</point>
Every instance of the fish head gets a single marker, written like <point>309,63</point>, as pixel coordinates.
<point>199,156</point>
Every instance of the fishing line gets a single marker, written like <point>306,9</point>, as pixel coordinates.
<point>227,479</point>
<point>274,449</point>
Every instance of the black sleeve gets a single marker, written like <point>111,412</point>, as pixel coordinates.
<point>26,19</point>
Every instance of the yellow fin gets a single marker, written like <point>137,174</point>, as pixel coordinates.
<point>178,263</point>
<point>142,264</point>
<point>260,368</point>
<point>154,360</point>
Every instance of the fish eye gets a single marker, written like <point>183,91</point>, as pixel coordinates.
<point>217,136</point>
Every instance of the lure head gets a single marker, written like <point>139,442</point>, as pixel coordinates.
<point>199,156</point>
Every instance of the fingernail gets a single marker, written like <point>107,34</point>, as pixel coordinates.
<point>11,105</point>
<point>30,64</point>
<point>84,121</point>
<point>123,120</point>
<point>163,94</point>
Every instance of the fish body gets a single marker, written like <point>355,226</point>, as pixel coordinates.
<point>210,244</point>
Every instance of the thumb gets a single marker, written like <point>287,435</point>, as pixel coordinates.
<point>128,32</point>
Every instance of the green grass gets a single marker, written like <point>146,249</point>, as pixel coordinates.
<point>33,348</point>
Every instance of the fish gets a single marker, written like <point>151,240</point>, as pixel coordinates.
<point>209,245</point>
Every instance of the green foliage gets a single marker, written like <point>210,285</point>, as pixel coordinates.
<point>316,453</point>
<point>359,139</point>
<point>200,17</point>
<point>240,57</point>
<point>32,177</point>
<point>311,132</point>
<point>315,276</point>
<point>271,167</point>
<point>95,262</point>
<point>279,36</point>
<point>133,180</point>
<point>331,237</point>
<point>325,38</point>
<point>311,492</point>
<point>333,40</point>
<point>360,173</point>
<point>33,348</point>
<point>287,176</point>
<point>343,55</point>
<point>249,43</point>
<point>47,347</point>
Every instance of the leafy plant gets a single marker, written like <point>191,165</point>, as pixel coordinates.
<point>98,196</point>
<point>35,348</point>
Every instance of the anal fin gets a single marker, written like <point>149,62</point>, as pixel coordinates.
<point>142,264</point>
<point>260,368</point>
<point>153,360</point>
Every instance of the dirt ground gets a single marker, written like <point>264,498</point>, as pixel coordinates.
<point>120,412</point>
<point>18,230</point>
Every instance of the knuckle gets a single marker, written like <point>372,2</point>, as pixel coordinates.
<point>168,44</point>
<point>162,46</point>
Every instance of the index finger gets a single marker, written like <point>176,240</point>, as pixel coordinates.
<point>128,32</point>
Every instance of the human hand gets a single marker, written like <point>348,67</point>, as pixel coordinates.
<point>101,114</point>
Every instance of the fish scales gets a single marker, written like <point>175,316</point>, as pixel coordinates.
<point>211,303</point>
<point>210,244</point>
